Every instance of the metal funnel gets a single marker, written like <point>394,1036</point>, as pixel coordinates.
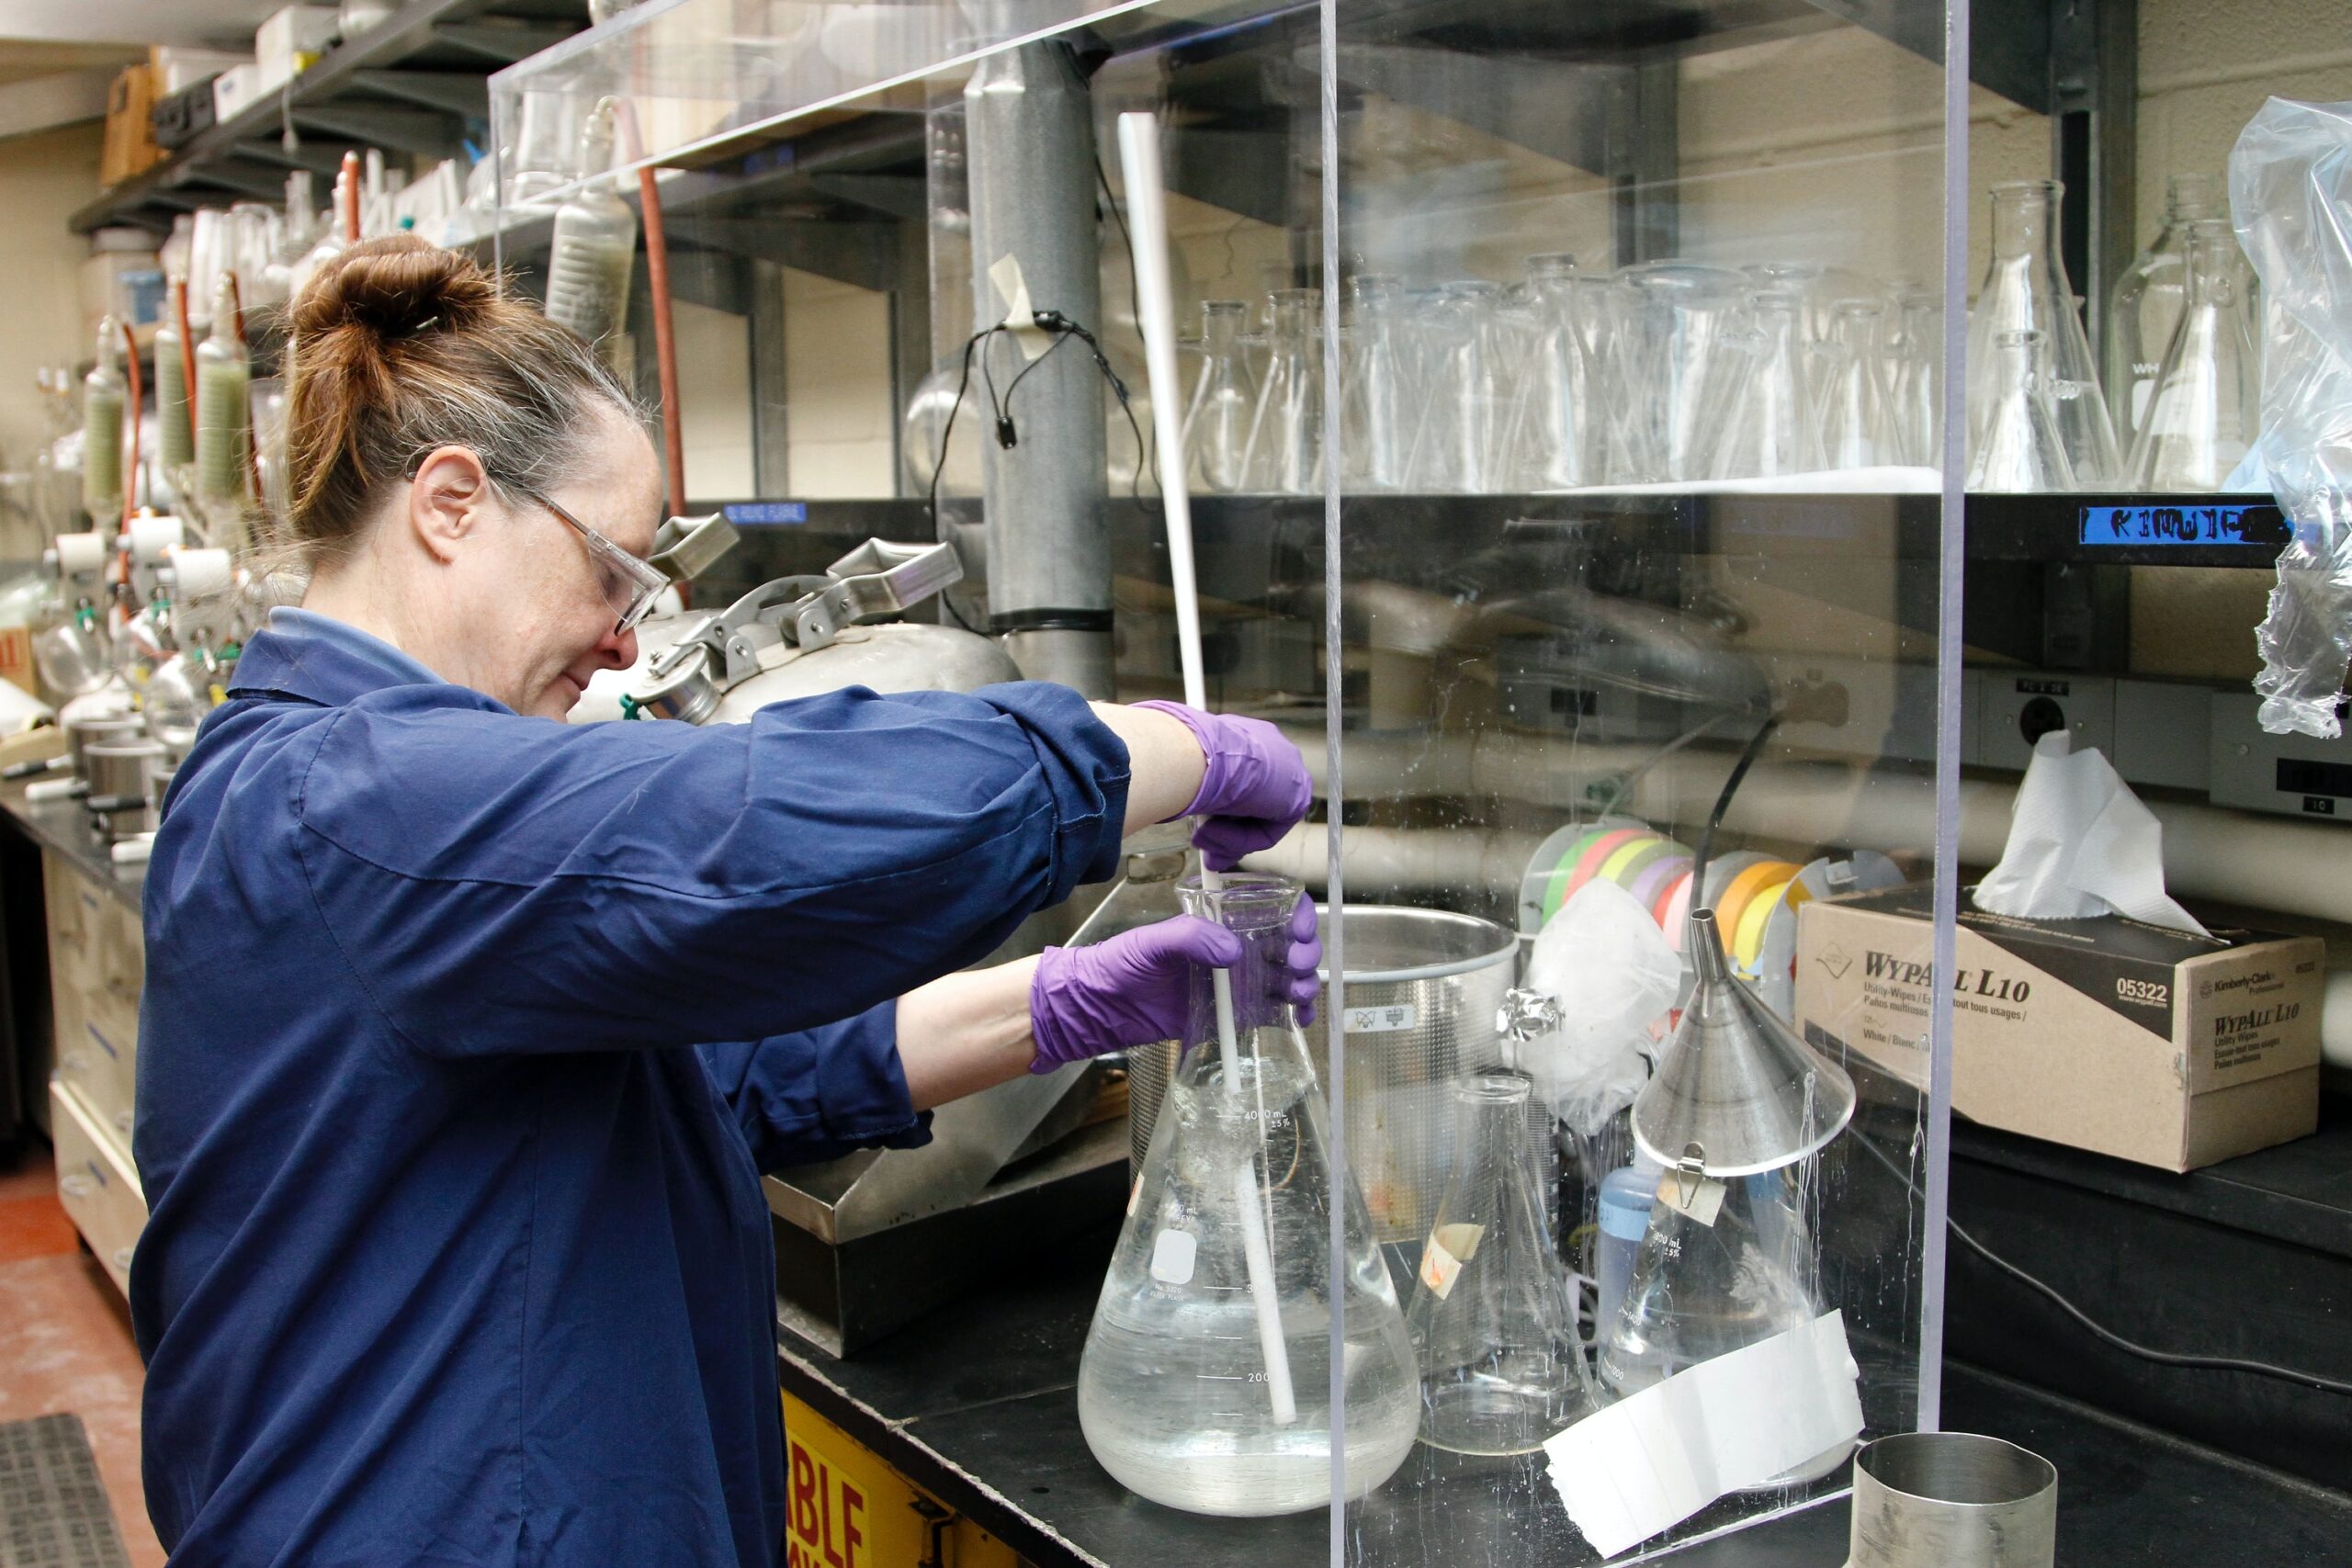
<point>1736,1090</point>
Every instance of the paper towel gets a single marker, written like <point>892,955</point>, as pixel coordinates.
<point>2081,844</point>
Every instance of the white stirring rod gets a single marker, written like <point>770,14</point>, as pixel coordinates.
<point>1155,313</point>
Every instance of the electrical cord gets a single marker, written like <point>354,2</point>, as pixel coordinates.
<point>2104,1335</point>
<point>1748,753</point>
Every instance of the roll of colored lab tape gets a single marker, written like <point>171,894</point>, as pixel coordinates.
<point>1747,946</point>
<point>1544,887</point>
<point>1596,854</point>
<point>1675,908</point>
<point>1652,880</point>
<point>1732,903</point>
<point>1721,873</point>
<point>1630,859</point>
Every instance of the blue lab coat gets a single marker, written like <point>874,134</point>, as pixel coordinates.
<point>458,1254</point>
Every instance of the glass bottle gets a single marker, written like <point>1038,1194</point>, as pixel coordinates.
<point>593,249</point>
<point>224,413</point>
<point>1856,432</point>
<point>1463,392</point>
<point>1376,425</point>
<point>2148,300</point>
<point>1204,1382</point>
<point>102,422</point>
<point>175,424</point>
<point>1285,456</point>
<point>1915,390</point>
<point>1216,419</point>
<point>2020,449</point>
<point>1501,1365</point>
<point>2206,407</point>
<point>2026,290</point>
<point>1555,446</point>
<point>1762,420</point>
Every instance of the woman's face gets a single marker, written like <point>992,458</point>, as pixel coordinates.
<point>557,627</point>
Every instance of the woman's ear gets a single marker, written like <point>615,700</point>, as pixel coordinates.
<point>448,500</point>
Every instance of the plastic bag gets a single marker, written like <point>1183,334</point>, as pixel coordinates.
<point>1603,959</point>
<point>2290,200</point>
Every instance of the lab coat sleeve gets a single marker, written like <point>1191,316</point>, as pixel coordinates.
<point>816,1094</point>
<point>499,884</point>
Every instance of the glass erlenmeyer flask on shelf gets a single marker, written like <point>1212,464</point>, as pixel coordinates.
<point>1205,1384</point>
<point>1669,353</point>
<point>2148,300</point>
<point>1463,392</point>
<point>102,420</point>
<point>1761,421</point>
<point>2026,290</point>
<point>1856,429</point>
<point>1915,381</point>
<point>1375,420</point>
<point>1285,456</point>
<point>2206,409</point>
<point>1216,419</point>
<point>1559,423</point>
<point>2020,450</point>
<point>1501,1365</point>
<point>1731,1256</point>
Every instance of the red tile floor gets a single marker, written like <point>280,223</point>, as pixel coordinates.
<point>65,1339</point>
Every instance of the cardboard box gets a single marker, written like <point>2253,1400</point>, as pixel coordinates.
<point>176,69</point>
<point>129,147</point>
<point>237,88</point>
<point>2107,1034</point>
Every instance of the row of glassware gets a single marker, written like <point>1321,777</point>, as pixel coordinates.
<point>1670,372</point>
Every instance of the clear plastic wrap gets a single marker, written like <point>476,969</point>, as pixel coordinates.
<point>2290,199</point>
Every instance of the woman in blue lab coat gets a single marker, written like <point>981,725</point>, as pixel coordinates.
<point>467,1033</point>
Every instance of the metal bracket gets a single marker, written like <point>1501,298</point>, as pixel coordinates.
<point>688,546</point>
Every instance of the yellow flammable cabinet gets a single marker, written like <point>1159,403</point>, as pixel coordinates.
<point>851,1510</point>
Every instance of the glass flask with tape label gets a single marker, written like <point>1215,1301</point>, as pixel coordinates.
<point>1501,1368</point>
<point>1205,1382</point>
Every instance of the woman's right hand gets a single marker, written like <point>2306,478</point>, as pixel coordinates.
<point>1254,788</point>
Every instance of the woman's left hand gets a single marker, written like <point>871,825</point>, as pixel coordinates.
<point>1136,988</point>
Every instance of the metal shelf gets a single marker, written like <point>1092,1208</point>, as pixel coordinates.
<point>417,84</point>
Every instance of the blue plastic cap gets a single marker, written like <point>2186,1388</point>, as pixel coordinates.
<point>1625,1199</point>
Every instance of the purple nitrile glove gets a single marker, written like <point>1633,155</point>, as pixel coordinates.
<point>1254,789</point>
<point>1136,988</point>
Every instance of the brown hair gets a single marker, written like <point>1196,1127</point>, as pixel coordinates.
<point>400,346</point>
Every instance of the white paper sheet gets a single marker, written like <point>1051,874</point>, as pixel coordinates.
<point>1654,1458</point>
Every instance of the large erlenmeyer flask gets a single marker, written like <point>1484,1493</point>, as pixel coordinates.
<point>1502,1366</point>
<point>2026,290</point>
<point>2020,450</point>
<point>2206,409</point>
<point>1204,1382</point>
<point>2148,300</point>
<point>1285,452</point>
<point>1216,420</point>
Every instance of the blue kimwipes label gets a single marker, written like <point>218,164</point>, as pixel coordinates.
<point>1380,1020</point>
<point>2176,524</point>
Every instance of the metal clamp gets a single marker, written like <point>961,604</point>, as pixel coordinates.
<point>756,632</point>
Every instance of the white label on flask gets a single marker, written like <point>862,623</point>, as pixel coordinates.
<point>1382,1019</point>
<point>1172,1258</point>
<point>1697,1198</point>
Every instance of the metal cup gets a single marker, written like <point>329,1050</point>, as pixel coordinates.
<point>1953,1500</point>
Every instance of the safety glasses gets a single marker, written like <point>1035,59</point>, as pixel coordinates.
<point>629,585</point>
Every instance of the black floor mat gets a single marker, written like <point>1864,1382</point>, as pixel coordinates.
<point>53,1510</point>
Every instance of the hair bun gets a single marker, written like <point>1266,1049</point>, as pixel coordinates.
<point>393,287</point>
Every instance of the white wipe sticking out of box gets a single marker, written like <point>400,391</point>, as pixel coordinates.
<point>2081,844</point>
<point>1655,1458</point>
